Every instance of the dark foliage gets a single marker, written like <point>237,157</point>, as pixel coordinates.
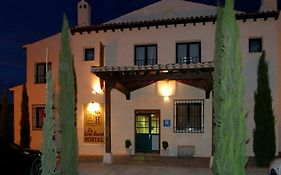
<point>24,123</point>
<point>5,118</point>
<point>264,132</point>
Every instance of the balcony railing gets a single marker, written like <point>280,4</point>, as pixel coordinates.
<point>146,62</point>
<point>188,60</point>
<point>180,60</point>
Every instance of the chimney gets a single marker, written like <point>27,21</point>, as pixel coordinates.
<point>268,5</point>
<point>84,13</point>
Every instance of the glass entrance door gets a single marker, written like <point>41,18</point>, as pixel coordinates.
<point>147,130</point>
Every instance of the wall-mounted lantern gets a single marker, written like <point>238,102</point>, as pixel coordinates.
<point>93,108</point>
<point>166,88</point>
<point>96,88</point>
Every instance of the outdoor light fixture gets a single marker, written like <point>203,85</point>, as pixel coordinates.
<point>93,107</point>
<point>166,88</point>
<point>97,87</point>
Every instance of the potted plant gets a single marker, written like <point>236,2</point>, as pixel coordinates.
<point>165,150</point>
<point>128,145</point>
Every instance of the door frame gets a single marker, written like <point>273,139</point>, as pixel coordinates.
<point>156,111</point>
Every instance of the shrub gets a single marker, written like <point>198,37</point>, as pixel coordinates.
<point>128,143</point>
<point>165,145</point>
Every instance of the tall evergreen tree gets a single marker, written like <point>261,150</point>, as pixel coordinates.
<point>5,120</point>
<point>24,123</point>
<point>230,126</point>
<point>48,158</point>
<point>67,105</point>
<point>264,132</point>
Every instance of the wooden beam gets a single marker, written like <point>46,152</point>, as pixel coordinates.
<point>120,87</point>
<point>128,81</point>
<point>169,76</point>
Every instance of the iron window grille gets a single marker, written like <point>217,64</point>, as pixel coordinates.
<point>189,116</point>
<point>38,115</point>
<point>146,54</point>
<point>40,75</point>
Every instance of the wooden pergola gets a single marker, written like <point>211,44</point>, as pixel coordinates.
<point>130,78</point>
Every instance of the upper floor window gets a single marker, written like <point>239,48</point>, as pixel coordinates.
<point>40,72</point>
<point>89,54</point>
<point>38,114</point>
<point>146,54</point>
<point>189,116</point>
<point>188,52</point>
<point>255,45</point>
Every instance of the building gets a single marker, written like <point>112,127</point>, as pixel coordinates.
<point>147,76</point>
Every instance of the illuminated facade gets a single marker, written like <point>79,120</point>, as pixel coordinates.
<point>147,76</point>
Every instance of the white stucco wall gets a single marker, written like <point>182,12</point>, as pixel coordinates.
<point>36,53</point>
<point>123,118</point>
<point>119,50</point>
<point>268,33</point>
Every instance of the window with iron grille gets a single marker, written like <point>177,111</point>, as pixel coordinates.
<point>146,54</point>
<point>40,72</point>
<point>189,116</point>
<point>188,53</point>
<point>38,114</point>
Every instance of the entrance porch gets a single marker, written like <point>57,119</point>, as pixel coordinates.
<point>127,79</point>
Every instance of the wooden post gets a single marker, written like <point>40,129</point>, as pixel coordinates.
<point>107,118</point>
<point>107,158</point>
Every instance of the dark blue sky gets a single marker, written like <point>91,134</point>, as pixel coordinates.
<point>25,21</point>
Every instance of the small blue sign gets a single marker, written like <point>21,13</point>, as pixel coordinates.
<point>167,123</point>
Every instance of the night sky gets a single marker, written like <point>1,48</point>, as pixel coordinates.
<point>26,21</point>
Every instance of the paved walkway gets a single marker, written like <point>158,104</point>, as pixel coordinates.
<point>152,165</point>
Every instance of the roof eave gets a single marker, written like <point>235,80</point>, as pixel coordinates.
<point>174,21</point>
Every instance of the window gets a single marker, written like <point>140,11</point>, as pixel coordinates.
<point>255,45</point>
<point>40,75</point>
<point>89,54</point>
<point>188,52</point>
<point>146,55</point>
<point>189,116</point>
<point>38,114</point>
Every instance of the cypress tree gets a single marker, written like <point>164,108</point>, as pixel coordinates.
<point>5,120</point>
<point>67,105</point>
<point>264,132</point>
<point>48,158</point>
<point>230,127</point>
<point>24,123</point>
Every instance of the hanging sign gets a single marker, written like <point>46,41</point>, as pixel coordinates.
<point>94,123</point>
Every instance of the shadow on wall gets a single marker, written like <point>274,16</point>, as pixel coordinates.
<point>111,53</point>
